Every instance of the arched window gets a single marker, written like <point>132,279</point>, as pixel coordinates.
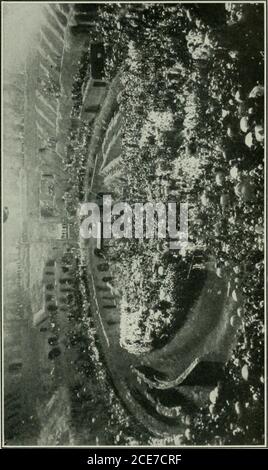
<point>103,267</point>
<point>49,287</point>
<point>50,263</point>
<point>52,340</point>
<point>43,329</point>
<point>54,353</point>
<point>98,253</point>
<point>52,308</point>
<point>15,367</point>
<point>107,279</point>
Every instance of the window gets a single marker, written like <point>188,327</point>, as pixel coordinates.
<point>15,367</point>
<point>63,232</point>
<point>97,60</point>
<point>47,195</point>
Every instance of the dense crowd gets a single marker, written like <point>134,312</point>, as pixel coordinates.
<point>184,66</point>
<point>95,409</point>
<point>192,130</point>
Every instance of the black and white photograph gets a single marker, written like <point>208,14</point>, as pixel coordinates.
<point>133,224</point>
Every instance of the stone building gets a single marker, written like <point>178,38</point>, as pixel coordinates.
<point>37,122</point>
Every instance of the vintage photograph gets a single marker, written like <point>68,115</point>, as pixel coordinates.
<point>133,224</point>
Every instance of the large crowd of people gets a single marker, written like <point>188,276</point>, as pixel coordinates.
<point>187,64</point>
<point>192,130</point>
